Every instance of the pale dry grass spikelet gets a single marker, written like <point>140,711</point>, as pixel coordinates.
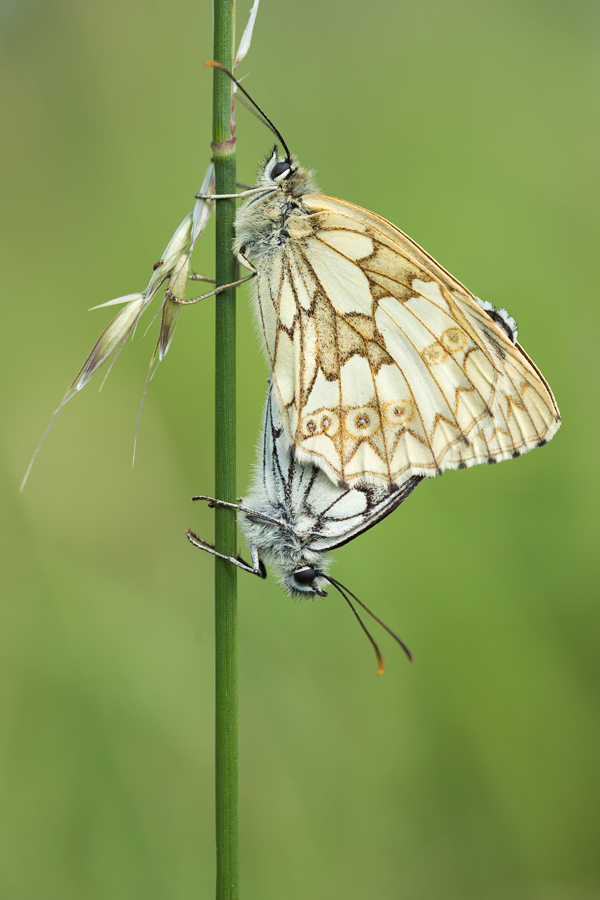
<point>173,269</point>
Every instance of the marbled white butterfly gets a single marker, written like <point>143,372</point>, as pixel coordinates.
<point>384,366</point>
<point>293,515</point>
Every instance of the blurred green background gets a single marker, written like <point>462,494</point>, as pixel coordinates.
<point>472,773</point>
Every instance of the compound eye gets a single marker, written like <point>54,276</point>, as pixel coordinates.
<point>281,168</point>
<point>305,576</point>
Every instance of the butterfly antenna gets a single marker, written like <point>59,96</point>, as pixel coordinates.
<point>342,588</point>
<point>255,108</point>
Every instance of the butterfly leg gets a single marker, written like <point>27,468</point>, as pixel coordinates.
<point>222,287</point>
<point>219,290</point>
<point>246,263</point>
<point>194,277</point>
<point>257,567</point>
<point>212,502</point>
<point>249,193</point>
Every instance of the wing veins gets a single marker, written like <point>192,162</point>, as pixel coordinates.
<point>382,510</point>
<point>397,364</point>
<point>323,292</point>
<point>437,383</point>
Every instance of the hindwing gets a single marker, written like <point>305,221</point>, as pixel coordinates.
<point>384,366</point>
<point>319,514</point>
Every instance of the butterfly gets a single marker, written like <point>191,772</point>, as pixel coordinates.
<point>384,366</point>
<point>294,515</point>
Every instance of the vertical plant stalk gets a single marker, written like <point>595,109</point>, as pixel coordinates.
<point>226,691</point>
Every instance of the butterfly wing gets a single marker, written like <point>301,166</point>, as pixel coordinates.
<point>385,367</point>
<point>319,514</point>
<point>352,511</point>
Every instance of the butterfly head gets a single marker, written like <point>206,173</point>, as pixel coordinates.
<point>305,581</point>
<point>285,172</point>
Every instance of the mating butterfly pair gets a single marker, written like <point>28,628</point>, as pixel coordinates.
<point>384,370</point>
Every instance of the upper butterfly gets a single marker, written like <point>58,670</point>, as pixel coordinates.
<point>384,365</point>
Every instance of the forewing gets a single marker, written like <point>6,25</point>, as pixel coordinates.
<point>341,514</point>
<point>280,481</point>
<point>385,367</point>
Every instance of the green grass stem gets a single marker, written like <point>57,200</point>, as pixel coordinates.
<point>226,724</point>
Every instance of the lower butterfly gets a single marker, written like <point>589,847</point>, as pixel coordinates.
<point>384,366</point>
<point>294,515</point>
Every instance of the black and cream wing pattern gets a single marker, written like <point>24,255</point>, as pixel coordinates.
<point>298,510</point>
<point>383,365</point>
